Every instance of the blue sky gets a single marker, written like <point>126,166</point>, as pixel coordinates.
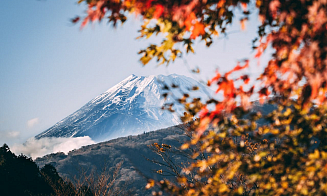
<point>49,68</point>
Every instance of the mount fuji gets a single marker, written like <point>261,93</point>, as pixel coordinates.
<point>131,107</point>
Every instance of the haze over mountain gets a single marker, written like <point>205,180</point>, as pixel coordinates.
<point>131,107</point>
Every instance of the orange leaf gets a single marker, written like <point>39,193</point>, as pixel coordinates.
<point>244,6</point>
<point>259,53</point>
<point>245,78</point>
<point>315,83</point>
<point>228,87</point>
<point>321,98</point>
<point>219,108</point>
<point>273,7</point>
<point>221,3</point>
<point>189,20</point>
<point>85,21</point>
<point>204,112</point>
<point>216,78</point>
<point>204,122</point>
<point>243,23</point>
<point>198,29</point>
<point>245,102</point>
<point>238,67</point>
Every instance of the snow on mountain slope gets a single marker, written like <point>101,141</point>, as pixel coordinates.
<point>131,107</point>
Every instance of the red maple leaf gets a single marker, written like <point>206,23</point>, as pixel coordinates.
<point>75,20</point>
<point>216,78</point>
<point>245,78</point>
<point>227,86</point>
<point>159,11</point>
<point>148,4</point>
<point>262,94</point>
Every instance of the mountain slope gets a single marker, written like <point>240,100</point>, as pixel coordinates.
<point>131,107</point>
<point>132,151</point>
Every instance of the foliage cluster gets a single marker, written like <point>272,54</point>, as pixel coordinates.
<point>285,155</point>
<point>21,176</point>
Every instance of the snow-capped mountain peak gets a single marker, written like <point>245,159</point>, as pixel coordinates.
<point>128,108</point>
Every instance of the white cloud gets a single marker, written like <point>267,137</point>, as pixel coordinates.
<point>37,148</point>
<point>9,137</point>
<point>13,134</point>
<point>9,134</point>
<point>32,122</point>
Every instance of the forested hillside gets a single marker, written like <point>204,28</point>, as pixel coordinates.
<point>19,175</point>
<point>139,157</point>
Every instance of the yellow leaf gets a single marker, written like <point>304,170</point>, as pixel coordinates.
<point>274,131</point>
<point>185,146</point>
<point>311,168</point>
<point>240,190</point>
<point>285,185</point>
<point>149,184</point>
<point>222,135</point>
<point>145,60</point>
<point>287,112</point>
<point>314,155</point>
<point>223,188</point>
<point>257,158</point>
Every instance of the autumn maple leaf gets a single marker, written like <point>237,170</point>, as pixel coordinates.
<point>244,6</point>
<point>204,112</point>
<point>75,20</point>
<point>148,4</point>
<point>227,86</point>
<point>159,11</point>
<point>262,94</point>
<point>238,67</point>
<point>315,83</point>
<point>221,3</point>
<point>273,7</point>
<point>189,20</point>
<point>245,78</point>
<point>243,23</point>
<point>84,23</point>
<point>198,29</point>
<point>214,79</point>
